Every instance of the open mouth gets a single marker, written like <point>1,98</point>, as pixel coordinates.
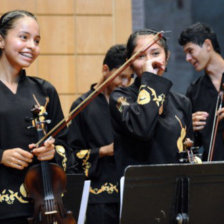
<point>27,55</point>
<point>195,64</point>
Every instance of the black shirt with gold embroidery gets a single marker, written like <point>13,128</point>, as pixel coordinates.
<point>88,131</point>
<point>14,111</point>
<point>203,96</point>
<point>150,122</point>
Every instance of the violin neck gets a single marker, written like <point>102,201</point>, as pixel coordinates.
<point>46,178</point>
<point>45,170</point>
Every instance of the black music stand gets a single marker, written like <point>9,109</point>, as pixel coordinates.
<point>174,193</point>
<point>73,195</point>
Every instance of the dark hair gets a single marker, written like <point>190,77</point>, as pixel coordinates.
<point>8,19</point>
<point>197,34</point>
<point>131,44</point>
<point>115,56</point>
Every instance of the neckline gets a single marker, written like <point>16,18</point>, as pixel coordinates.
<point>21,77</point>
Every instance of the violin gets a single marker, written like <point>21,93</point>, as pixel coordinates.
<point>45,183</point>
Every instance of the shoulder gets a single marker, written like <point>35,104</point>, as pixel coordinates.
<point>46,86</point>
<point>129,91</point>
<point>195,84</point>
<point>124,95</point>
<point>179,98</point>
<point>181,103</point>
<point>80,99</point>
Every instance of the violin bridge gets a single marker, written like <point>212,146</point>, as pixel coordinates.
<point>51,212</point>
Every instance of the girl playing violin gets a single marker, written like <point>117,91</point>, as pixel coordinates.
<point>19,47</point>
<point>150,121</point>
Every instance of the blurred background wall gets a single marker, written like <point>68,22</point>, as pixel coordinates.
<point>75,34</point>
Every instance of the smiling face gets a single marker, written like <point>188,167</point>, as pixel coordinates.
<point>198,56</point>
<point>156,54</point>
<point>20,47</point>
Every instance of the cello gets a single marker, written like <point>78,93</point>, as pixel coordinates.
<point>46,182</point>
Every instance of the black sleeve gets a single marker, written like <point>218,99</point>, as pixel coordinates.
<point>138,116</point>
<point>87,158</point>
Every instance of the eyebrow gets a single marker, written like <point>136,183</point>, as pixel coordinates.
<point>22,31</point>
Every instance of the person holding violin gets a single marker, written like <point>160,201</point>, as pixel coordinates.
<point>150,121</point>
<point>202,50</point>
<point>19,47</point>
<point>91,137</point>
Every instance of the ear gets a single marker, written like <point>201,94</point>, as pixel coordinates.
<point>105,71</point>
<point>168,56</point>
<point>208,44</point>
<point>2,42</point>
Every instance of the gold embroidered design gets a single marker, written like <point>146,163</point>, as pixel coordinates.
<point>23,191</point>
<point>143,97</point>
<point>158,99</point>
<point>121,102</point>
<point>10,196</point>
<point>84,156</point>
<point>61,151</point>
<point>82,153</point>
<point>180,140</point>
<point>107,187</point>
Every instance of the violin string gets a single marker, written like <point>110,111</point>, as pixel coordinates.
<point>46,177</point>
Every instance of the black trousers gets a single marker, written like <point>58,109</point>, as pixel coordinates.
<point>102,213</point>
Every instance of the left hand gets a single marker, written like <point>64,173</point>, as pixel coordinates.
<point>45,152</point>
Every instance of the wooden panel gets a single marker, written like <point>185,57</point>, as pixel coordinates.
<point>59,70</point>
<point>57,34</point>
<point>55,7</point>
<point>89,70</point>
<point>123,20</point>
<point>93,34</point>
<point>8,5</point>
<point>66,102</point>
<point>93,6</point>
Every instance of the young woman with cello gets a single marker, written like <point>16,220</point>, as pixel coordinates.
<point>19,47</point>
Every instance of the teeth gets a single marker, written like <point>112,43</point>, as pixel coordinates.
<point>27,55</point>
